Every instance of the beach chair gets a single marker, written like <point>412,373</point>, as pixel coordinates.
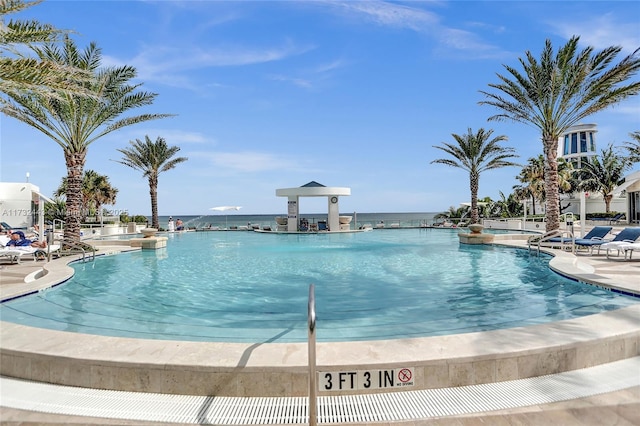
<point>620,246</point>
<point>45,253</point>
<point>15,254</point>
<point>615,219</point>
<point>596,233</point>
<point>552,239</point>
<point>629,248</point>
<point>627,235</point>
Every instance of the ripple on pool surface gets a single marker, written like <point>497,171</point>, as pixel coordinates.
<point>252,287</point>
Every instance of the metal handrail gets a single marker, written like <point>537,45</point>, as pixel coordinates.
<point>67,246</point>
<point>312,356</point>
<point>54,224</point>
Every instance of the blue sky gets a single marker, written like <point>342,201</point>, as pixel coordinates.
<point>353,94</point>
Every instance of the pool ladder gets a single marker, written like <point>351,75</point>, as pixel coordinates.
<point>312,408</point>
<point>69,246</point>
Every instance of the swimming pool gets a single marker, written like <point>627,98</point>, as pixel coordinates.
<point>252,287</point>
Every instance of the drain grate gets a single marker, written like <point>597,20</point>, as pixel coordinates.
<point>372,408</point>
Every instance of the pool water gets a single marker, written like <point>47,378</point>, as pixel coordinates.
<point>254,287</point>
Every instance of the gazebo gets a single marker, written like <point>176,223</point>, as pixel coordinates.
<point>313,189</point>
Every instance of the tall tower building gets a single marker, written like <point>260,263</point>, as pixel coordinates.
<point>578,143</point>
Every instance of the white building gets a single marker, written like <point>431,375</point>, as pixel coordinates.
<point>21,205</point>
<point>631,186</point>
<point>578,144</point>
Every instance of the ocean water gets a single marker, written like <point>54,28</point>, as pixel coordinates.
<point>233,218</point>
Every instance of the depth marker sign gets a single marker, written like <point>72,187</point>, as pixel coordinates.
<point>365,379</point>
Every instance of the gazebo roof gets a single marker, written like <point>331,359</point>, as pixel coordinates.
<point>313,189</point>
<point>312,184</point>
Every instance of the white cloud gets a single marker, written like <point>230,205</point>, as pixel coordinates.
<point>250,161</point>
<point>311,77</point>
<point>296,81</point>
<point>449,39</point>
<point>601,31</point>
<point>171,136</point>
<point>466,42</point>
<point>389,14</point>
<point>166,64</point>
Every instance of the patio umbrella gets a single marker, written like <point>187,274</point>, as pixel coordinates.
<point>223,209</point>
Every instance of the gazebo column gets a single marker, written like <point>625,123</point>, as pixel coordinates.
<point>293,207</point>
<point>333,216</point>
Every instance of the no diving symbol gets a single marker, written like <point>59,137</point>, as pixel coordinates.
<point>404,375</point>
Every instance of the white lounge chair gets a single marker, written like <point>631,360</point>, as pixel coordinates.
<point>552,239</point>
<point>47,251</point>
<point>14,254</point>
<point>630,249</point>
<point>621,246</point>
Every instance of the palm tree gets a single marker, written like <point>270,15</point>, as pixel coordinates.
<point>507,206</point>
<point>485,207</point>
<point>558,92</point>
<point>151,158</point>
<point>452,213</point>
<point>75,121</point>
<point>96,191</point>
<point>603,174</point>
<point>21,73</point>
<point>55,211</point>
<point>566,173</point>
<point>476,153</point>
<point>532,178</point>
<point>101,192</point>
<point>633,147</point>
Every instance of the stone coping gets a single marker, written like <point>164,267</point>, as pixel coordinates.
<point>280,369</point>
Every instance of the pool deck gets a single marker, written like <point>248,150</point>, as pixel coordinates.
<point>440,361</point>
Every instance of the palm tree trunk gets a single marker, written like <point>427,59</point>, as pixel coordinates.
<point>473,183</point>
<point>75,165</point>
<point>153,192</point>
<point>607,202</point>
<point>552,213</point>
<point>533,205</point>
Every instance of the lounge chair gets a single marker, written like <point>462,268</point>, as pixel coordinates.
<point>628,235</point>
<point>597,233</point>
<point>15,254</point>
<point>621,246</point>
<point>551,239</point>
<point>47,252</point>
<point>615,219</point>
<point>592,237</point>
<point>629,248</point>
